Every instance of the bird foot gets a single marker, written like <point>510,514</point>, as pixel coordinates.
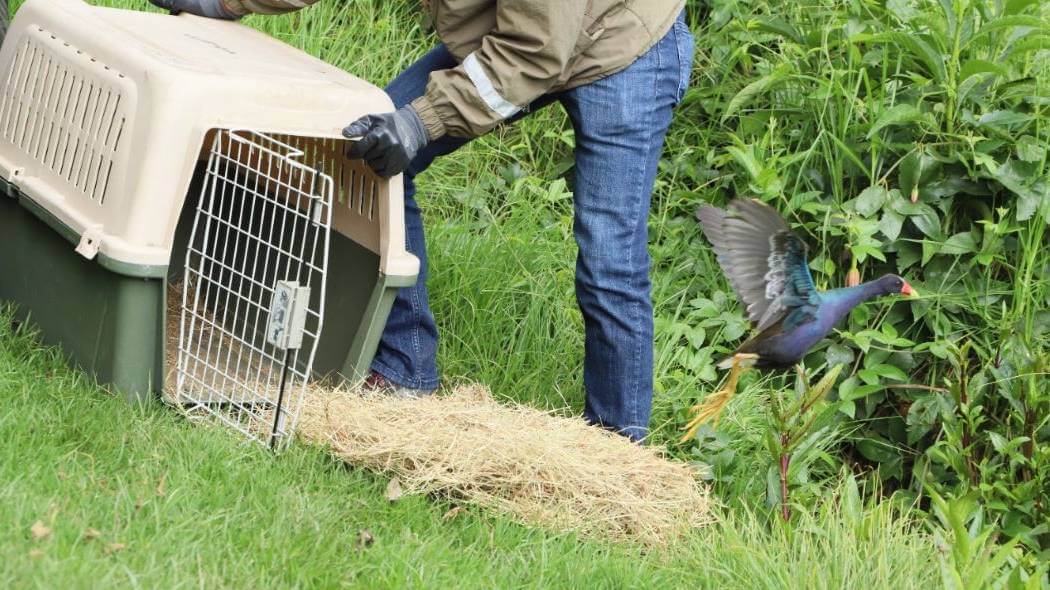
<point>710,410</point>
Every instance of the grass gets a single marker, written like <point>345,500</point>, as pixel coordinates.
<point>180,506</point>
<point>502,257</point>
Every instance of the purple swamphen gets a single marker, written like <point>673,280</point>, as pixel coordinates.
<point>767,266</point>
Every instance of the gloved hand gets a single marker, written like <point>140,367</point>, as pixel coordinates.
<point>389,141</point>
<point>208,8</point>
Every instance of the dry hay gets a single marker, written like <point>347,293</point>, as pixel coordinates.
<point>536,467</point>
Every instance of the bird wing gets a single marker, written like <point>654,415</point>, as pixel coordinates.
<point>765,261</point>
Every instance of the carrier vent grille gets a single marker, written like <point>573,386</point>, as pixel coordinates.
<point>357,187</point>
<point>62,108</point>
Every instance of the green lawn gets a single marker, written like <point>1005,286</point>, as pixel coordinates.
<point>180,506</point>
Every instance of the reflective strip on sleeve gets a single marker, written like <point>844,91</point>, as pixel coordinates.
<point>486,90</point>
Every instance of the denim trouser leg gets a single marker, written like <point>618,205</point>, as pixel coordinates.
<point>407,353</point>
<point>620,123</point>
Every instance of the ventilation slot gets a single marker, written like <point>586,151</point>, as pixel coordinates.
<point>357,186</point>
<point>61,108</point>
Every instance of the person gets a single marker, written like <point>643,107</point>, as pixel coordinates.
<point>618,67</point>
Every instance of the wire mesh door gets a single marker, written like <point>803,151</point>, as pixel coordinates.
<point>254,286</point>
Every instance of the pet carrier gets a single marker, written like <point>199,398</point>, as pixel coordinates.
<point>142,151</point>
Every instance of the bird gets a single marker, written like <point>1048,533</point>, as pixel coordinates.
<point>767,266</point>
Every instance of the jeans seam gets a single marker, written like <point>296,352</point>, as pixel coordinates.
<point>678,51</point>
<point>638,188</point>
<point>416,346</point>
<point>685,66</point>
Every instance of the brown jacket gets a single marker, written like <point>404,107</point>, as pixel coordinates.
<point>514,51</point>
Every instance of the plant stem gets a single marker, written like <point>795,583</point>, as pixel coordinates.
<point>785,461</point>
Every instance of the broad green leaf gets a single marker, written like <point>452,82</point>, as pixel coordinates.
<point>776,25</point>
<point>1029,149</point>
<point>981,66</point>
<point>752,90</point>
<point>987,161</point>
<point>949,16</point>
<point>929,250</point>
<point>1006,22</point>
<point>916,169</point>
<point>1031,190</point>
<point>875,450</point>
<point>838,354</point>
<point>1018,6</point>
<point>960,243</point>
<point>896,115</point>
<point>871,200</point>
<point>926,219</point>
<point>849,408</point>
<point>1031,43</point>
<point>891,223</point>
<point>907,255</point>
<point>696,337</point>
<point>902,9</point>
<point>862,252</point>
<point>889,372</point>
<point>1004,118</point>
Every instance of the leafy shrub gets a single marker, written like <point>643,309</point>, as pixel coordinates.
<point>908,136</point>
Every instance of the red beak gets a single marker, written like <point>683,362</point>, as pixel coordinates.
<point>907,290</point>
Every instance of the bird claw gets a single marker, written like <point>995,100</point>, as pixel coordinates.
<point>710,410</point>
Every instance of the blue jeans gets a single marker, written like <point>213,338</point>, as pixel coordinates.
<point>620,123</point>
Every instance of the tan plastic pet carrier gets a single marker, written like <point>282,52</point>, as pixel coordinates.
<point>141,152</point>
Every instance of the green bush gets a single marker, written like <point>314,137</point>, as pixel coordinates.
<point>908,136</point>
<point>898,135</point>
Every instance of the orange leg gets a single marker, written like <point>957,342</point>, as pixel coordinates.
<point>710,410</point>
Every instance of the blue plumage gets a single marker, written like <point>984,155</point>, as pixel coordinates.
<point>768,267</point>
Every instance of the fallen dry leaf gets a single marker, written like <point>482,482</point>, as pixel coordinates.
<point>91,534</point>
<point>364,538</point>
<point>39,531</point>
<point>36,553</point>
<point>114,547</point>
<point>393,490</point>
<point>452,513</point>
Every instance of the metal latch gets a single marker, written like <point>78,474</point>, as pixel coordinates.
<point>287,321</point>
<point>90,242</point>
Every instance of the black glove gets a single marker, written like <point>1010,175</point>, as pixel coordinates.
<point>388,141</point>
<point>208,8</point>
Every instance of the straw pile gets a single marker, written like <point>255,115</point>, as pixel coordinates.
<point>535,467</point>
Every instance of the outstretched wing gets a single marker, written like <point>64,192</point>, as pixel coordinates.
<point>765,261</point>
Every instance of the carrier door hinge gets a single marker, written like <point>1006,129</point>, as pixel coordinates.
<point>287,321</point>
<point>15,179</point>
<point>90,241</point>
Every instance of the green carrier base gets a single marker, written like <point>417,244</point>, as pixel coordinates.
<point>109,318</point>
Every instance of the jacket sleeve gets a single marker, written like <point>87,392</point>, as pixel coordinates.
<point>243,7</point>
<point>516,63</point>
